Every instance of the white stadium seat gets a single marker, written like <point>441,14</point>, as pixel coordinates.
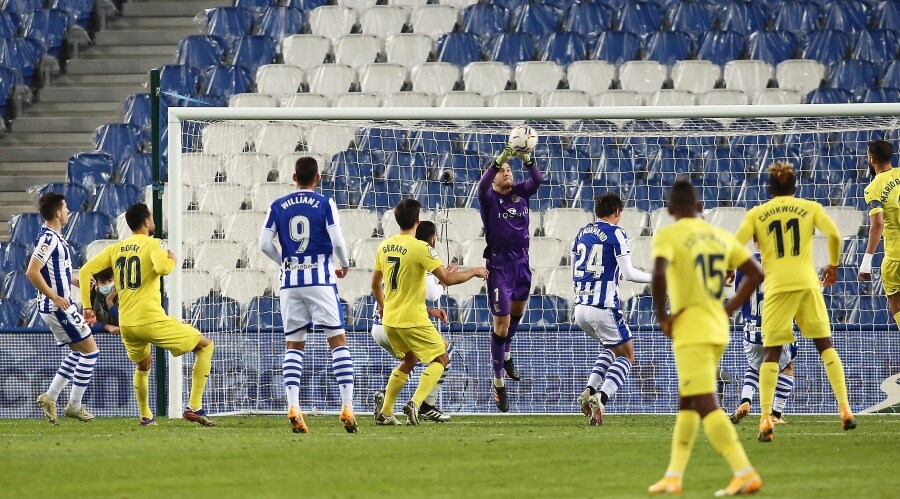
<point>382,78</point>
<point>331,21</point>
<point>558,281</point>
<point>279,79</point>
<point>671,98</point>
<point>221,199</point>
<point>200,169</point>
<point>305,100</point>
<point>487,78</point>
<point>389,225</point>
<point>216,257</point>
<point>243,284</point>
<point>564,223</point>
<point>411,4</point>
<point>776,96</point>
<point>97,247</point>
<point>357,223</point>
<point>434,78</point>
<point>644,77</point>
<point>286,165</point>
<point>591,77</point>
<point>357,4</point>
<point>363,252</point>
<point>447,250</point>
<point>820,251</point>
<point>257,260</point>
<point>383,20</point>
<point>627,289</point>
<point>633,222</point>
<point>225,138</point>
<point>275,139</point>
<point>465,223</point>
<point>848,219</point>
<point>331,79</point>
<point>748,76</point>
<point>409,99</point>
<point>618,98</point>
<point>660,218</point>
<point>727,218</point>
<point>357,99</point>
<point>244,225</point>
<point>722,97</point>
<point>262,195</point>
<point>539,77</point>
<point>408,49</point>
<point>565,98</point>
<point>357,282</point>
<point>329,139</point>
<point>433,20</point>
<point>356,51</point>
<point>199,226</point>
<point>196,284</point>
<point>248,168</point>
<point>459,4</point>
<point>695,76</point>
<point>801,75</point>
<point>252,100</point>
<point>472,251</point>
<point>305,51</point>
<point>547,252</point>
<point>461,99</point>
<point>641,251</point>
<point>122,228</point>
<point>513,98</point>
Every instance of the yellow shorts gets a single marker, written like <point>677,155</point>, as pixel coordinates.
<point>698,368</point>
<point>424,341</point>
<point>780,310</point>
<point>171,334</point>
<point>890,276</point>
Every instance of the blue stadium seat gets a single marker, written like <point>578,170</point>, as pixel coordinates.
<point>434,143</point>
<point>875,45</point>
<point>640,311</point>
<point>827,46</point>
<point>90,169</point>
<point>590,190</point>
<point>225,80</point>
<point>771,155</point>
<point>567,169</point>
<point>483,19</point>
<point>114,199</point>
<point>86,227</point>
<point>537,19</point>
<point>458,48</point>
<point>381,195</point>
<point>466,167</point>
<point>541,311</point>
<point>483,143</point>
<point>9,25</point>
<point>564,48</point>
<point>890,77</point>
<point>618,166</point>
<point>668,47</point>
<point>880,95</point>
<point>773,47</point>
<point>845,15</point>
<point>752,193</point>
<point>433,196</point>
<point>21,54</point>
<point>510,4</point>
<point>670,163</point>
<point>201,51</point>
<point>179,78</point>
<point>649,136</point>
<point>263,312</point>
<point>592,144</point>
<point>77,195</point>
<point>279,23</point>
<point>48,27</point>
<point>886,15</point>
<point>406,166</point>
<point>723,166</point>
<point>796,16</point>
<point>307,5</point>
<point>253,51</point>
<point>589,19</point>
<point>551,196</point>
<point>215,314</point>
<point>256,6</point>
<point>229,23</point>
<point>813,191</point>
<point>648,197</point>
<point>119,140</point>
<point>721,47</point>
<point>743,17</point>
<point>829,96</point>
<point>752,144</point>
<point>364,312</point>
<point>137,110</point>
<point>381,139</point>
<point>22,7</point>
<point>353,165</point>
<point>449,305</point>
<point>512,48</point>
<point>695,18</point>
<point>79,11</point>
<point>476,311</point>
<point>853,76</point>
<point>640,18</point>
<point>10,313</point>
<point>833,164</point>
<point>343,197</point>
<point>871,310</point>
<point>16,287</point>
<point>24,228</point>
<point>15,256</point>
<point>137,170</point>
<point>618,47</point>
<point>698,143</point>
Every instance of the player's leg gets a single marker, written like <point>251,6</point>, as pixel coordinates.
<point>138,351</point>
<point>617,337</point>
<point>588,320</point>
<point>428,410</point>
<point>779,311</point>
<point>89,354</point>
<point>784,388</point>
<point>70,329</point>
<point>755,355</point>
<point>518,300</point>
<point>325,307</point>
<point>400,374</point>
<point>296,323</point>
<point>500,288</point>
<point>428,345</point>
<point>890,279</point>
<point>47,400</point>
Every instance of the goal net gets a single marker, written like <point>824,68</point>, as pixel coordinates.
<point>227,165</point>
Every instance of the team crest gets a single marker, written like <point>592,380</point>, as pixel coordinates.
<point>515,198</point>
<point>497,308</point>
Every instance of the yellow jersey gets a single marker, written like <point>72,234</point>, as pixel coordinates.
<point>403,260</point>
<point>882,195</point>
<point>699,256</point>
<point>137,263</point>
<point>784,228</point>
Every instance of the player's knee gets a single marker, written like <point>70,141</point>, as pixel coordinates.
<point>206,349</point>
<point>822,344</point>
<point>442,359</point>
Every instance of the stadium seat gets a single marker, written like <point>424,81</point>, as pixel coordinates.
<point>215,314</point>
<point>827,46</point>
<point>382,78</point>
<point>880,95</point>
<point>179,78</point>
<point>537,19</point>
<point>22,54</point>
<point>434,78</point>
<point>16,287</point>
<point>79,11</point>
<point>720,47</point>
<point>487,78</point>
<point>49,27</point>
<point>357,283</point>
<point>90,169</point>
<point>251,52</point>
<point>252,100</point>
<point>514,98</point>
<point>829,96</point>
<point>640,17</point>
<point>458,4</point>
<point>279,79</point>
<point>512,48</point>
<point>668,47</point>
<point>225,138</point>
<point>871,310</point>
<point>200,51</point>
<point>618,47</point>
<point>221,198</point>
<point>748,76</point>
<point>196,284</point>
<point>305,100</point>
<point>727,218</point>
<point>358,223</point>
<point>484,19</point>
<point>695,18</point>
<point>800,75</point>
<point>547,252</point>
<point>357,99</point>
<point>458,48</point>
<point>875,45</point>
<point>538,77</point>
<point>215,256</point>
<point>797,17</point>
<point>331,21</point>
<point>886,15</point>
<point>118,140</point>
<point>114,199</point>
<point>590,77</point>
<point>773,47</point>
<point>409,99</point>
<point>465,167</point>
<point>201,169</point>
<point>279,23</point>
<point>200,226</point>
<point>228,23</point>
<point>242,285</point>
<point>357,4</point>
<point>544,311</point>
<point>357,51</point>
<point>77,196</point>
<point>263,313</point>
<point>257,7</point>
<point>564,48</point>
<point>364,251</point>
<point>671,98</point>
<point>408,49</point>
<point>742,17</point>
<point>694,76</point>
<point>640,311</point>
<point>224,80</point>
<point>328,139</point>
<point>644,77</point>
<point>612,98</point>
<point>137,110</point>
<point>433,20</point>
<point>846,15</point>
<point>563,223</point>
<point>15,256</point>
<point>305,51</point>
<point>461,99</point>
<point>276,139</point>
<point>565,98</point>
<point>853,75</point>
<point>890,76</point>
<point>381,195</point>
<point>10,313</point>
<point>331,80</point>
<point>9,25</point>
<point>589,19</point>
<point>848,219</point>
<point>475,311</point>
<point>87,226</point>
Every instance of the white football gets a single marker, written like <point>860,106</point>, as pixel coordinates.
<point>523,138</point>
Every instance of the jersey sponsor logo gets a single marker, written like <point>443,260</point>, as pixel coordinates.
<point>300,266</point>
<point>512,212</point>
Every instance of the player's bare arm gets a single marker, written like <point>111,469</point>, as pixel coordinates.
<point>659,288</point>
<point>450,278</point>
<point>753,277</point>
<point>876,231</point>
<point>378,291</point>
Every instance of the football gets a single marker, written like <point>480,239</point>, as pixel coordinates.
<point>523,138</point>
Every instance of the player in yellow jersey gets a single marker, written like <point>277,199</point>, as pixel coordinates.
<point>691,258</point>
<point>137,264</point>
<point>883,198</point>
<point>404,260</point>
<point>784,228</point>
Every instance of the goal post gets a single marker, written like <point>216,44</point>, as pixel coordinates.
<point>225,165</point>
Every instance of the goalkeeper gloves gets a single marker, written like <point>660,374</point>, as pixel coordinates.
<point>504,156</point>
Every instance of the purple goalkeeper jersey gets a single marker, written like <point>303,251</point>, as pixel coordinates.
<point>505,216</point>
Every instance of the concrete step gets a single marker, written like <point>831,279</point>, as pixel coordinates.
<point>120,51</point>
<point>167,9</point>
<point>88,94</point>
<point>50,152</point>
<point>143,37</point>
<point>10,206</point>
<point>46,138</point>
<point>133,65</point>
<point>64,106</point>
<point>26,181</point>
<point>153,22</point>
<point>98,80</point>
<point>29,124</point>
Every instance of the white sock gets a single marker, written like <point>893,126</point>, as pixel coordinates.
<point>342,366</point>
<point>291,370</point>
<point>604,359</point>
<point>63,374</point>
<point>507,356</point>
<point>499,383</point>
<point>615,377</point>
<point>82,377</point>
<point>751,383</point>
<point>782,392</point>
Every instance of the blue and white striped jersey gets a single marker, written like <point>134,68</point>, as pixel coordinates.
<point>595,270</point>
<point>51,249</point>
<point>751,311</point>
<point>301,220</point>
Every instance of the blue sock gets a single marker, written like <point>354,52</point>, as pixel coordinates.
<point>291,370</point>
<point>615,378</point>
<point>604,359</point>
<point>342,365</point>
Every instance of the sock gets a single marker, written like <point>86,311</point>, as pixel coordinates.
<point>141,381</point>
<point>513,327</point>
<point>604,359</point>
<point>199,375</point>
<point>768,377</point>
<point>497,354</point>
<point>782,392</point>
<point>686,425</point>
<point>724,439</point>
<point>431,399</point>
<point>429,379</point>
<point>63,374</point>
<point>395,384</point>
<point>834,369</point>
<point>615,378</point>
<point>82,377</point>
<point>342,366</point>
<point>291,370</point>
<point>751,384</point>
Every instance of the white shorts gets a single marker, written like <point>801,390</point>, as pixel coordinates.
<point>303,308</point>
<point>606,325</point>
<point>381,338</point>
<point>68,326</point>
<point>756,354</point>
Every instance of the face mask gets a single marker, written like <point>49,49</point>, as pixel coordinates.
<point>105,289</point>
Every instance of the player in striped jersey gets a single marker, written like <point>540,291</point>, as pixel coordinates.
<point>50,271</point>
<point>307,226</point>
<point>751,312</point>
<point>600,257</point>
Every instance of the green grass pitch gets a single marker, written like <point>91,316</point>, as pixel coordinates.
<point>496,457</point>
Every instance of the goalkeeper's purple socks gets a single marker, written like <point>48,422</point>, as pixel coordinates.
<point>513,326</point>
<point>498,354</point>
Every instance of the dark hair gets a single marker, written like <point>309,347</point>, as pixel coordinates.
<point>683,194</point>
<point>407,213</point>
<point>49,204</point>
<point>136,215</point>
<point>104,275</point>
<point>881,151</point>
<point>782,179</point>
<point>425,231</point>
<point>607,204</point>
<point>306,170</point>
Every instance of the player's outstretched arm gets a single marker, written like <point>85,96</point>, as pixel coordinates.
<point>338,244</point>
<point>433,288</point>
<point>876,230</point>
<point>487,178</point>
<point>450,278</point>
<point>529,186</point>
<point>751,278</point>
<point>378,291</point>
<point>659,289</point>
<point>630,272</point>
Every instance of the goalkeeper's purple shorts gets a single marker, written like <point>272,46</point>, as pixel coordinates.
<point>507,282</point>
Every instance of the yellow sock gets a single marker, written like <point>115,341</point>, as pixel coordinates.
<point>141,382</point>
<point>429,379</point>
<point>199,375</point>
<point>686,425</point>
<point>768,378</point>
<point>724,439</point>
<point>834,369</point>
<point>395,383</point>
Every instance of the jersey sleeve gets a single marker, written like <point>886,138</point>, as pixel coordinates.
<point>662,246</point>
<point>378,265</point>
<point>620,244</point>
<point>745,232</point>
<point>159,256</point>
<point>737,254</point>
<point>46,247</point>
<point>429,257</point>
<point>271,220</point>
<point>331,214</point>
<point>873,200</point>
